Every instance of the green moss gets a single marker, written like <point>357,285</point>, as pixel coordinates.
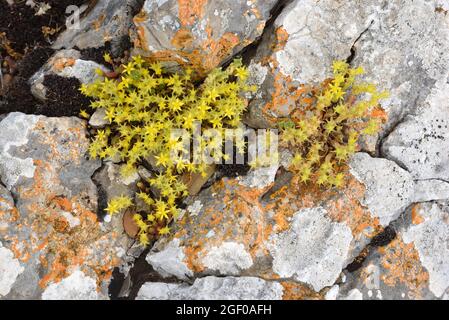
<point>324,129</point>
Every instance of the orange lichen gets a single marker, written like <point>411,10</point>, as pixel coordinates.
<point>341,205</point>
<point>59,247</point>
<point>416,217</point>
<point>217,50</point>
<point>8,212</point>
<point>182,39</point>
<point>97,23</point>
<point>285,96</point>
<point>62,63</point>
<point>200,55</point>
<point>189,11</point>
<point>379,113</point>
<point>402,264</point>
<point>349,210</point>
<point>281,39</point>
<point>296,291</point>
<point>240,215</point>
<point>237,216</point>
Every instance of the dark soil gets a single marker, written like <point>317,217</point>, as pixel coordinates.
<point>234,170</point>
<point>18,96</point>
<point>96,54</point>
<point>140,273</point>
<point>63,96</point>
<point>23,28</point>
<point>28,48</point>
<point>380,240</point>
<point>384,238</point>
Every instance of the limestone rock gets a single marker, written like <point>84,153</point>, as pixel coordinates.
<point>299,49</point>
<point>313,251</point>
<point>68,64</point>
<point>52,227</point>
<point>402,45</point>
<point>304,236</point>
<point>430,190</point>
<point>203,33</point>
<point>213,288</point>
<point>414,264</point>
<point>107,21</point>
<point>421,142</point>
<point>430,237</point>
<point>10,269</point>
<point>77,286</point>
<point>390,188</point>
<point>97,120</point>
<point>405,51</point>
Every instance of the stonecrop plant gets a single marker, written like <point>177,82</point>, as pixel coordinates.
<point>325,127</point>
<point>142,107</point>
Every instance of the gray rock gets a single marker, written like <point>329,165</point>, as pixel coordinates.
<point>299,49</point>
<point>402,45</point>
<point>413,265</point>
<point>107,21</point>
<point>430,190</point>
<point>405,51</point>
<point>203,34</point>
<point>431,239</point>
<point>77,286</point>
<point>230,258</point>
<point>10,268</point>
<point>113,184</point>
<point>97,120</point>
<point>260,177</point>
<point>389,188</point>
<point>170,261</point>
<point>313,250</point>
<point>213,288</point>
<point>318,34</point>
<point>51,226</point>
<point>421,142</point>
<point>67,64</point>
<point>15,129</point>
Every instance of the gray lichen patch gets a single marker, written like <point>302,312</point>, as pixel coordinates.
<point>14,131</point>
<point>214,288</point>
<point>313,250</point>
<point>431,239</point>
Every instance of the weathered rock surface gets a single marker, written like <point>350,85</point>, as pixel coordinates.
<point>299,49</point>
<point>49,228</point>
<point>67,64</point>
<point>77,286</point>
<point>203,33</point>
<point>384,235</point>
<point>401,44</point>
<point>106,21</point>
<point>313,250</point>
<point>10,269</point>
<point>412,266</point>
<point>213,288</point>
<point>421,142</point>
<point>304,236</point>
<point>405,51</point>
<point>389,188</point>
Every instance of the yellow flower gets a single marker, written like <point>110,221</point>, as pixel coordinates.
<point>164,230</point>
<point>107,58</point>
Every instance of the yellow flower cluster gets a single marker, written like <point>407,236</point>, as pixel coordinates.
<point>325,132</point>
<point>142,108</point>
